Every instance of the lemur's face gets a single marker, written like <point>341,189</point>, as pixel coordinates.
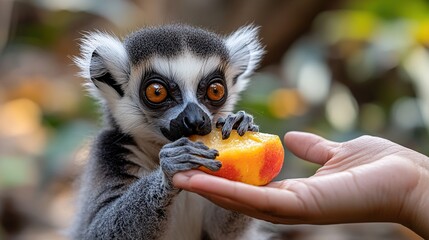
<point>182,95</point>
<point>170,81</point>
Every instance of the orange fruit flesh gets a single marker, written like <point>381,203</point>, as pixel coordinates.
<point>254,158</point>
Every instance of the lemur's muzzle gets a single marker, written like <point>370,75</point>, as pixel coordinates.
<point>193,120</point>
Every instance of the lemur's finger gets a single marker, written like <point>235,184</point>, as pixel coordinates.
<point>171,169</point>
<point>239,117</point>
<point>212,165</point>
<point>200,144</point>
<point>220,122</point>
<point>254,128</point>
<point>244,125</point>
<point>188,162</point>
<point>226,131</point>
<point>196,163</point>
<point>184,141</point>
<point>178,151</point>
<point>179,142</point>
<point>230,122</point>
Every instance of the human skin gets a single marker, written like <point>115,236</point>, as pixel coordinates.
<point>367,179</point>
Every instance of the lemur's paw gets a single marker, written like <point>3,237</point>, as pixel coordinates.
<point>241,121</point>
<point>184,154</point>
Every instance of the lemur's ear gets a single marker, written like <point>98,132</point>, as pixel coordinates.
<point>104,63</point>
<point>245,52</point>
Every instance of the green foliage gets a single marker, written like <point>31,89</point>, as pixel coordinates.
<point>393,9</point>
<point>15,171</point>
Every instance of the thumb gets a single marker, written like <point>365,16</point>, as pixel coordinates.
<point>310,147</point>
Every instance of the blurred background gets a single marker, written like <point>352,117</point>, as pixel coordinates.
<point>337,68</point>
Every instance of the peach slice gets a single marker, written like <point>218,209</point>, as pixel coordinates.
<point>254,158</point>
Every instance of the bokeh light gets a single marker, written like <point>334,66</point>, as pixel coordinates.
<point>406,114</point>
<point>285,103</point>
<point>19,117</point>
<point>341,109</point>
<point>372,118</point>
<point>314,82</point>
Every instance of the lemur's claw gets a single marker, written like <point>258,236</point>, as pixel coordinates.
<point>241,121</point>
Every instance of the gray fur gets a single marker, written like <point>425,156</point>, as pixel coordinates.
<point>170,40</point>
<point>127,190</point>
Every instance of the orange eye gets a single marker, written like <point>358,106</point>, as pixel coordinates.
<point>156,93</point>
<point>215,91</point>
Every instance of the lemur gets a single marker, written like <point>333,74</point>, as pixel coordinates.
<point>157,87</point>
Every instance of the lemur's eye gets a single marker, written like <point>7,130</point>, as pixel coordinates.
<point>215,91</point>
<point>156,93</point>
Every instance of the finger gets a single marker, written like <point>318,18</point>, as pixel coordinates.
<point>229,203</point>
<point>245,124</point>
<point>220,122</point>
<point>178,151</point>
<point>246,209</point>
<point>226,130</point>
<point>310,147</point>
<point>181,179</point>
<point>229,125</point>
<point>267,200</point>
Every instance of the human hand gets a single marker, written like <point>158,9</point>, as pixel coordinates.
<point>363,180</point>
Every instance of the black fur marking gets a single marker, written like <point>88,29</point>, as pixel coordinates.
<point>161,213</point>
<point>106,78</point>
<point>106,202</point>
<point>112,156</point>
<point>235,78</point>
<point>128,176</point>
<point>117,187</point>
<point>112,152</point>
<point>171,40</point>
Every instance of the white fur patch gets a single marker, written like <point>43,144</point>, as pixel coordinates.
<point>187,219</point>
<point>130,117</point>
<point>186,70</point>
<point>114,60</point>
<point>245,52</point>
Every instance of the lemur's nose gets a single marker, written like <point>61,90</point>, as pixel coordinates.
<point>195,120</point>
<point>195,123</point>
